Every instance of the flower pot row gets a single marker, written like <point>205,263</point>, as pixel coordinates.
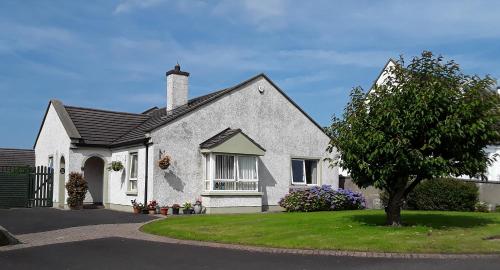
<point>154,208</point>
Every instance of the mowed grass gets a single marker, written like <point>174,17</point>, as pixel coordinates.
<point>424,231</point>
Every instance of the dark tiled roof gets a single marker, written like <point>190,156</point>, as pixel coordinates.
<point>219,138</point>
<point>16,157</point>
<point>223,136</point>
<point>100,127</point>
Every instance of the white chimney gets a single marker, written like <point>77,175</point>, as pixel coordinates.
<point>177,87</point>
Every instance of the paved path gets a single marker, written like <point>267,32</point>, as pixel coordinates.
<point>31,220</point>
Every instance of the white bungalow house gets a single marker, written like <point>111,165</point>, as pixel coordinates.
<point>240,149</point>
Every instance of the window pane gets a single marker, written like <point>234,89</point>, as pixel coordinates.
<point>133,165</point>
<point>297,171</point>
<point>132,185</point>
<point>224,167</point>
<point>51,162</point>
<point>247,168</point>
<point>311,169</point>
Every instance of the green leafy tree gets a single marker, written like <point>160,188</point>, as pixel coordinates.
<point>427,120</point>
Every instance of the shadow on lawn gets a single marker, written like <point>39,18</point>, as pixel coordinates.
<point>432,220</point>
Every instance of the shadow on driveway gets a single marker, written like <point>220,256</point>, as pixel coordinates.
<point>32,220</point>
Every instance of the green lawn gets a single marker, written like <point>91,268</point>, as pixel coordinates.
<point>424,231</point>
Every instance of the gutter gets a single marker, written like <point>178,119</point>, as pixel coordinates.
<point>147,144</point>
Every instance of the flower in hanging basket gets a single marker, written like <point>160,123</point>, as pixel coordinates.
<point>115,166</point>
<point>164,162</point>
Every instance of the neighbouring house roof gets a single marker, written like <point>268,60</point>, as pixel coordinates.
<point>16,157</point>
<point>242,145</point>
<point>105,128</point>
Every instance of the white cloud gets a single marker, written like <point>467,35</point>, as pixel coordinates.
<point>360,58</point>
<point>130,5</point>
<point>16,37</point>
<point>263,14</point>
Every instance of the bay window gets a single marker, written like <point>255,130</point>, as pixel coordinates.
<point>304,171</point>
<point>229,172</point>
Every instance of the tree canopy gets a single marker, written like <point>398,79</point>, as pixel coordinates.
<point>427,119</point>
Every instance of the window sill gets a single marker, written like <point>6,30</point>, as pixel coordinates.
<point>231,193</point>
<point>131,193</point>
<point>304,185</point>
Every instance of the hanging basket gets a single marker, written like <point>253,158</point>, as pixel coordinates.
<point>115,166</point>
<point>164,162</point>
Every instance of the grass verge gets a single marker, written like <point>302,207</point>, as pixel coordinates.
<point>424,231</point>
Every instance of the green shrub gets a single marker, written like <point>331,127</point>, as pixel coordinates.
<point>482,207</point>
<point>77,189</point>
<point>443,194</point>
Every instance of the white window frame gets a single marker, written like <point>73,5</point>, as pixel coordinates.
<point>236,175</point>
<point>236,160</point>
<point>304,177</point>
<point>130,172</point>
<point>235,167</point>
<point>50,158</point>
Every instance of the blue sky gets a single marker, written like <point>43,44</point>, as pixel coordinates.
<point>114,54</point>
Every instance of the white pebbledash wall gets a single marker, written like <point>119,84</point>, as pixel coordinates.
<point>268,118</point>
<point>53,141</point>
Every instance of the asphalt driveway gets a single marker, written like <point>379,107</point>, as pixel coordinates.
<point>32,220</point>
<point>121,253</point>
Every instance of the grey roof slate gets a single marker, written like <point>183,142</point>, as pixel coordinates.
<point>100,127</point>
<point>16,157</point>
<point>219,138</point>
<point>223,136</point>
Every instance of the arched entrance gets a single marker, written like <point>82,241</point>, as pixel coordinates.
<point>62,182</point>
<point>93,172</point>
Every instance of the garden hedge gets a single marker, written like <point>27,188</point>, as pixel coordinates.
<point>443,194</point>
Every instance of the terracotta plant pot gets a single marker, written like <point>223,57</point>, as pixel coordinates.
<point>137,210</point>
<point>152,211</point>
<point>164,211</point>
<point>76,207</point>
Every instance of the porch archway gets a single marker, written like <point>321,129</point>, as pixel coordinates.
<point>93,172</point>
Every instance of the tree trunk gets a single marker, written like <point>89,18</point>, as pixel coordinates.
<point>393,215</point>
<point>393,208</point>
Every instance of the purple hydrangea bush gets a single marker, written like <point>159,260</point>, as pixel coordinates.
<point>322,198</point>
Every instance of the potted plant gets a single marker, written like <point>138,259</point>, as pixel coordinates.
<point>152,207</point>
<point>186,208</point>
<point>115,166</point>
<point>175,209</point>
<point>164,210</point>
<point>77,189</point>
<point>164,162</point>
<point>138,207</point>
<point>197,206</point>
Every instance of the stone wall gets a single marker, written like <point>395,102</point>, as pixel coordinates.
<point>489,192</point>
